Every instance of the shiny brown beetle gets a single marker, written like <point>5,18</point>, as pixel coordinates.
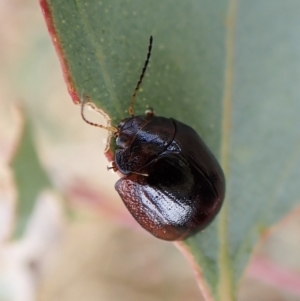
<point>172,185</point>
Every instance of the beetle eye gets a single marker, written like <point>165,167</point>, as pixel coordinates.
<point>122,140</point>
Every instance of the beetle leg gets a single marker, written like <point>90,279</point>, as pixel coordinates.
<point>112,166</point>
<point>140,174</point>
<point>149,113</point>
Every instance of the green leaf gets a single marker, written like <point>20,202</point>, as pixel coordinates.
<point>230,69</point>
<point>30,179</point>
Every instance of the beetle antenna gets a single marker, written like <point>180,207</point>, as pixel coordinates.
<point>85,101</point>
<point>130,110</point>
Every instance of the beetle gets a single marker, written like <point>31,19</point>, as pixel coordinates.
<point>172,184</point>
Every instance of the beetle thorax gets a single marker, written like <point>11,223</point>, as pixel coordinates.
<point>140,141</point>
